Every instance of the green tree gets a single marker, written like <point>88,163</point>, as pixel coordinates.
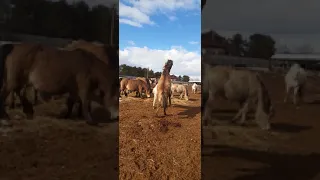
<point>261,46</point>
<point>237,45</point>
<point>185,78</point>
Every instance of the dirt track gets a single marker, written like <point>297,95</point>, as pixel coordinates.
<point>48,148</point>
<point>290,151</point>
<point>154,147</point>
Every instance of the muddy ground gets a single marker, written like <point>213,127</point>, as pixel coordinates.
<point>49,148</point>
<point>158,147</point>
<point>290,151</point>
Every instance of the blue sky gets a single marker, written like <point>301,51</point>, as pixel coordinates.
<point>152,31</point>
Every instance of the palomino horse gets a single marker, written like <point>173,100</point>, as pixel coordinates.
<point>135,85</point>
<point>105,53</point>
<point>147,81</point>
<point>53,71</point>
<point>295,79</point>
<point>163,88</point>
<point>194,88</point>
<point>181,89</point>
<point>240,86</point>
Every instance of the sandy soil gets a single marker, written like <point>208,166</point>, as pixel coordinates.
<point>48,148</point>
<point>289,151</point>
<point>158,147</point>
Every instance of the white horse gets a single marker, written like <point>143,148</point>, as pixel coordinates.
<point>182,89</point>
<point>295,79</point>
<point>242,86</point>
<point>194,88</point>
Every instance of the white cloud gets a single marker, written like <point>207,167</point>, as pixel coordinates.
<point>193,42</point>
<point>131,43</point>
<point>129,22</point>
<point>184,62</point>
<point>139,11</point>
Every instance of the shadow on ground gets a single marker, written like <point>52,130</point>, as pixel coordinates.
<point>277,166</point>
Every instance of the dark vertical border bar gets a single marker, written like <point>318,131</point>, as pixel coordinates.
<point>48,146</point>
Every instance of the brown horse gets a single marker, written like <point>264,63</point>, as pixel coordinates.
<point>163,91</point>
<point>123,84</point>
<point>135,85</point>
<point>53,71</point>
<point>106,53</point>
<point>147,81</point>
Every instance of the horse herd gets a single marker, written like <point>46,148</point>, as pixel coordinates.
<point>162,89</point>
<point>247,89</point>
<point>85,71</point>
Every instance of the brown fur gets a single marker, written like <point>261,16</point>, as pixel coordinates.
<point>135,85</point>
<point>147,81</point>
<point>163,91</point>
<point>53,71</point>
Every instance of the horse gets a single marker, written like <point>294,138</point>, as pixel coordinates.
<point>194,88</point>
<point>147,81</point>
<point>135,85</point>
<point>242,86</point>
<point>103,52</point>
<point>53,71</point>
<point>181,89</point>
<point>295,79</point>
<point>163,88</point>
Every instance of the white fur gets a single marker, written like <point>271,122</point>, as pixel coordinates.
<point>295,79</point>
<point>194,88</point>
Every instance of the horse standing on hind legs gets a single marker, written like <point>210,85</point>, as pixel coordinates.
<point>163,88</point>
<point>55,72</point>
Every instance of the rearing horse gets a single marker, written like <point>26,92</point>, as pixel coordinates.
<point>163,93</point>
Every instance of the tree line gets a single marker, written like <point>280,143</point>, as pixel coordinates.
<point>61,20</point>
<point>126,70</point>
<point>256,46</point>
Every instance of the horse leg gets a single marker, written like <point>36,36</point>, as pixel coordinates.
<point>208,109</point>
<point>125,93</point>
<point>84,94</point>
<point>140,92</point>
<point>155,97</point>
<point>35,96</point>
<point>245,110</point>
<point>26,104</point>
<point>12,100</point>
<point>70,101</point>
<point>295,96</point>
<point>288,88</point>
<point>4,117</point>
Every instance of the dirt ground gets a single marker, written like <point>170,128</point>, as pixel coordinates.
<point>160,147</point>
<point>290,151</point>
<point>48,148</point>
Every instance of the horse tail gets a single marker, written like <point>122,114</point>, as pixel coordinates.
<point>164,101</point>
